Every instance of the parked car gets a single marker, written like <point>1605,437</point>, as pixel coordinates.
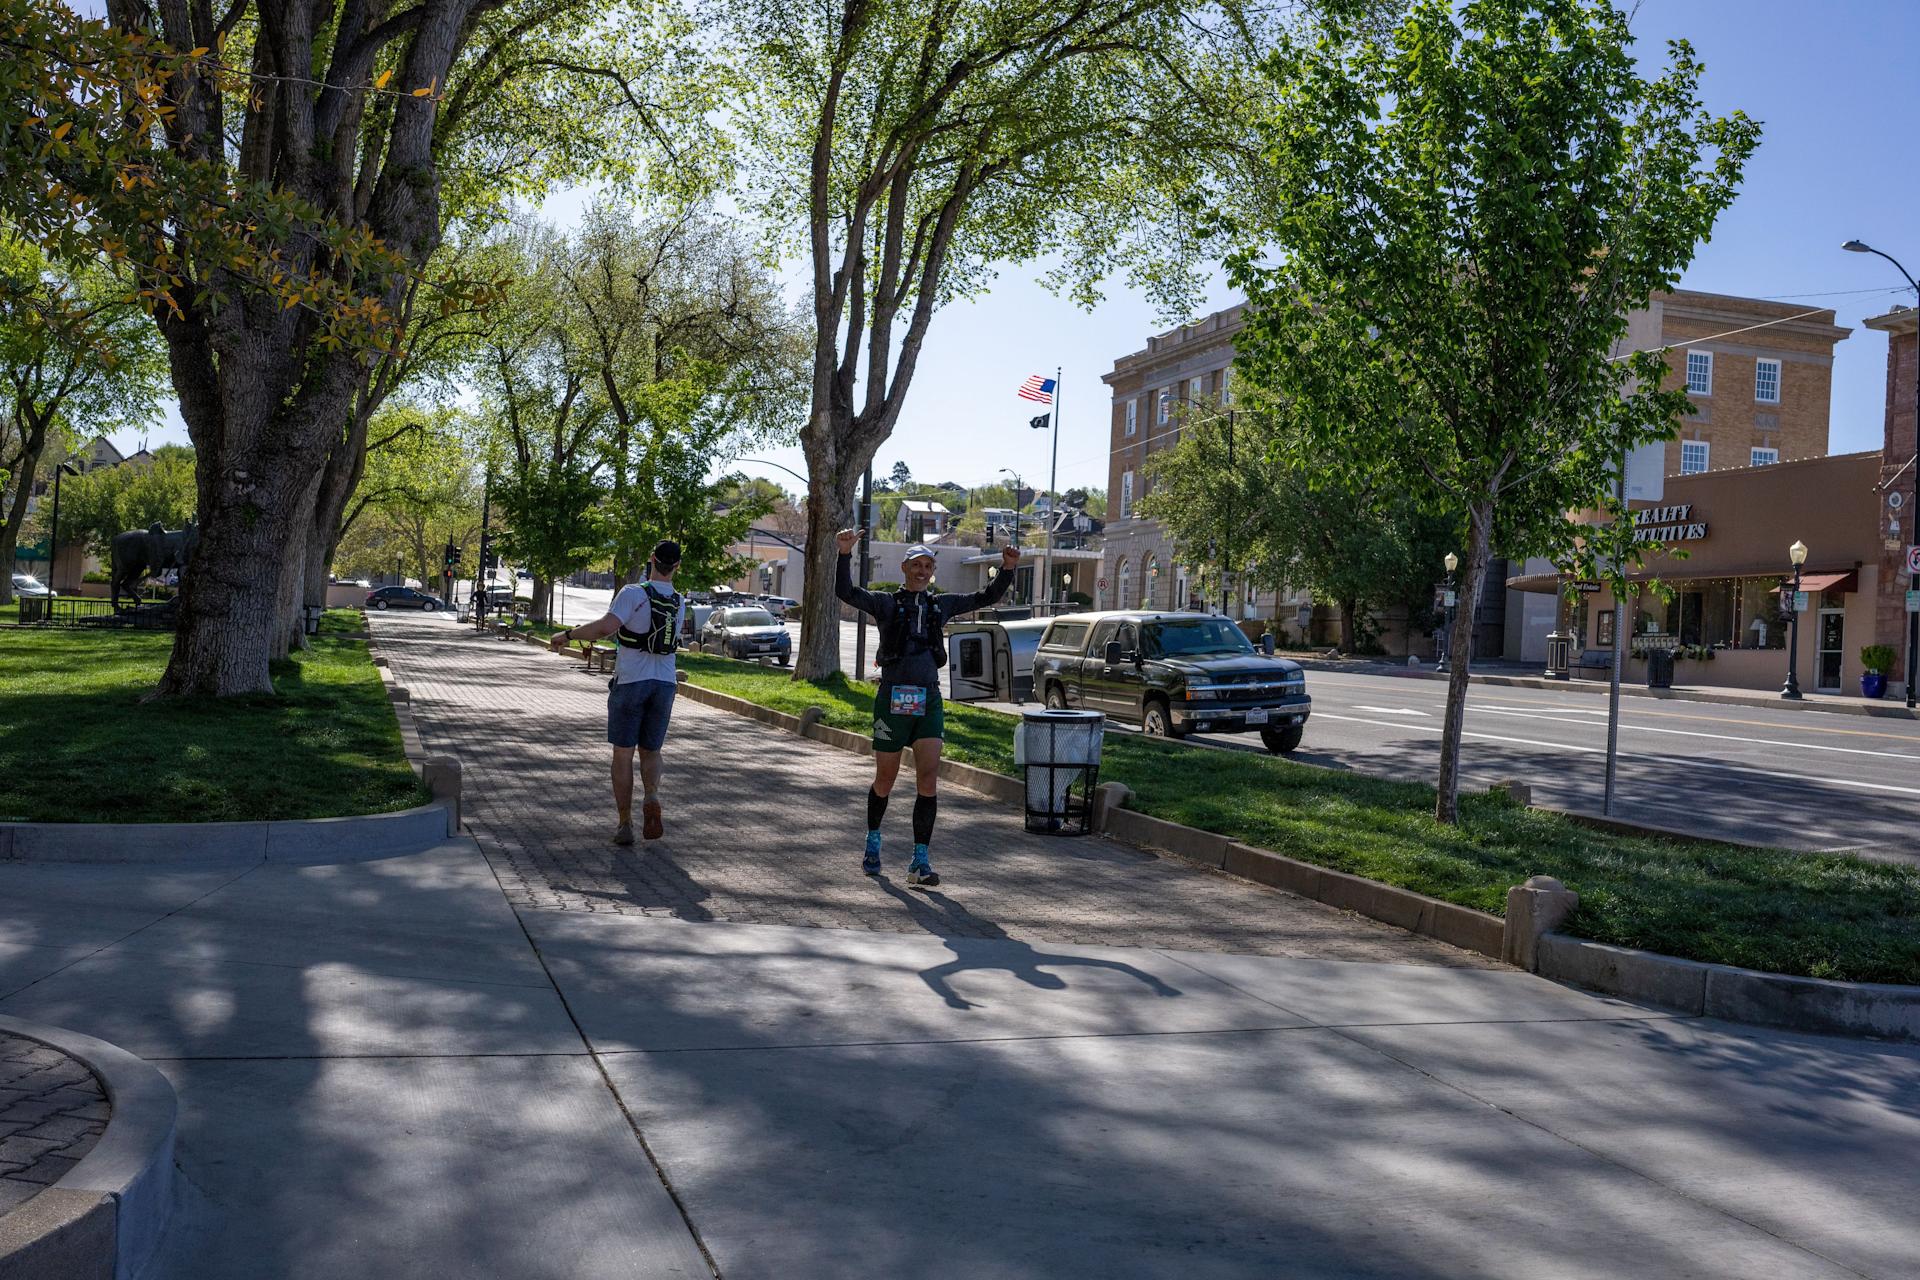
<point>402,598</point>
<point>25,584</point>
<point>499,592</point>
<point>751,633</point>
<point>1172,674</point>
<point>779,606</point>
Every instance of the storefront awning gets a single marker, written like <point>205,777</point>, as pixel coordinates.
<point>1548,583</point>
<point>1815,582</point>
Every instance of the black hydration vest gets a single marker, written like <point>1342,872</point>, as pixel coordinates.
<point>660,634</point>
<point>897,632</point>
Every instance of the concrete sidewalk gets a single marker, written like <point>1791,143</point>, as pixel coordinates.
<point>570,1061</point>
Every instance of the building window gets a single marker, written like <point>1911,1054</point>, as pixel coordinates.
<point>1196,389</point>
<point>1766,381</point>
<point>1764,457</point>
<point>1148,583</point>
<point>1124,576</point>
<point>1166,406</point>
<point>1126,494</point>
<point>1699,373</point>
<point>1133,416</point>
<point>1693,457</point>
<point>1226,386</point>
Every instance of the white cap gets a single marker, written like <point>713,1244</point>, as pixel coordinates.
<point>918,553</point>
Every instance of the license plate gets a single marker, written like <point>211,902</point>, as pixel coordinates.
<point>1256,715</point>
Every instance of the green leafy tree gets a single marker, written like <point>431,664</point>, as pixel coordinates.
<point>553,522</point>
<point>75,355</point>
<point>1253,513</point>
<point>1466,207</point>
<point>420,491</point>
<point>134,495</point>
<point>277,179</point>
<point>907,148</point>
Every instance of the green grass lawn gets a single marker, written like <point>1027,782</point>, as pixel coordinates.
<point>1818,915</point>
<point>77,744</point>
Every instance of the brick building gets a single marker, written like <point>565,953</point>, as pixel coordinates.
<point>1902,327</point>
<point>1758,373</point>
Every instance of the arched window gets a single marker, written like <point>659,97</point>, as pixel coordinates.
<point>1124,576</point>
<point>1181,598</point>
<point>1149,583</point>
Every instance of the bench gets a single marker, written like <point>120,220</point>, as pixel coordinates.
<point>1594,660</point>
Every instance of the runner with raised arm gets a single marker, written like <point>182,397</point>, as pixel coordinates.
<point>907,711</point>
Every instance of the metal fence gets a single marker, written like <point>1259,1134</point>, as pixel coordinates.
<point>86,611</point>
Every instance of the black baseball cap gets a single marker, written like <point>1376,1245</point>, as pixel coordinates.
<point>666,553</point>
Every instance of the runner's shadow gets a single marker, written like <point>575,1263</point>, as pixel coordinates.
<point>651,878</point>
<point>979,944</point>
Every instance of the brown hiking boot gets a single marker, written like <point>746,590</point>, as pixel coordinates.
<point>650,820</point>
<point>623,834</point>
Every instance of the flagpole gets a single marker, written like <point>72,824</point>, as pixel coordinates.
<point>1053,500</point>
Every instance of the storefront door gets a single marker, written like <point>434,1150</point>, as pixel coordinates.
<point>1826,671</point>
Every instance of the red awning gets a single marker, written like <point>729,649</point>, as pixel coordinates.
<point>1815,582</point>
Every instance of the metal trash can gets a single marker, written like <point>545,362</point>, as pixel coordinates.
<point>1559,655</point>
<point>1059,755</point>
<point>1659,668</point>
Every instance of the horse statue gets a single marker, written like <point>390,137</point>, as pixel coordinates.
<point>138,553</point>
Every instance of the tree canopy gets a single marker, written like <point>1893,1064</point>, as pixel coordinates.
<point>1466,206</point>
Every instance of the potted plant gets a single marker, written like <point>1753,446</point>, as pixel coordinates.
<point>1877,659</point>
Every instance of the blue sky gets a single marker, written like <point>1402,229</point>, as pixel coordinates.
<point>1832,83</point>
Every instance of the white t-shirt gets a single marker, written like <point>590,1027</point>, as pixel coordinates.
<point>629,604</point>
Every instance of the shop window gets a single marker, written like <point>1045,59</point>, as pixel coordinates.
<point>1765,457</point>
<point>1693,457</point>
<point>1699,373</point>
<point>1766,381</point>
<point>1603,629</point>
<point>1761,622</point>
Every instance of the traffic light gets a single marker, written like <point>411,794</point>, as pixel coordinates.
<point>453,557</point>
<point>990,528</point>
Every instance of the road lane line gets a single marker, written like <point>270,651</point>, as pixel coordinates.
<point>1798,779</point>
<point>1716,737</point>
<point>1390,711</point>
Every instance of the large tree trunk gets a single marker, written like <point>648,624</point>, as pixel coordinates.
<point>1347,611</point>
<point>1460,654</point>
<point>292,632</point>
<point>541,598</point>
<point>831,478</point>
<point>32,447</point>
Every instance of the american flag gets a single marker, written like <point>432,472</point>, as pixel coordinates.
<point>1037,389</point>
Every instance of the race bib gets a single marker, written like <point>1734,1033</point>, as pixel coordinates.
<point>908,700</point>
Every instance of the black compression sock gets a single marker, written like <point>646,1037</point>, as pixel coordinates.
<point>923,811</point>
<point>876,809</point>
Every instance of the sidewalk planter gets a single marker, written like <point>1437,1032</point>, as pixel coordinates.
<point>1875,660</point>
<point>1873,685</point>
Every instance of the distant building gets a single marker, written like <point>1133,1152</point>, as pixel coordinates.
<point>921,521</point>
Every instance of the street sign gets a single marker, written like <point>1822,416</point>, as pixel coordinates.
<point>1103,584</point>
<point>1448,599</point>
<point>1799,602</point>
<point>1913,559</point>
<point>1913,602</point>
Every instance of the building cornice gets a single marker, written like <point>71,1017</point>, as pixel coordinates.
<point>1902,321</point>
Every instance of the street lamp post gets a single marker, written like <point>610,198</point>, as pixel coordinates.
<point>1066,586</point>
<point>1913,580</point>
<point>1798,554</point>
<point>1452,562</point>
<point>53,534</point>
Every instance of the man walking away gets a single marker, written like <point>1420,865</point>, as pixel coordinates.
<point>645,620</point>
<point>907,711</point>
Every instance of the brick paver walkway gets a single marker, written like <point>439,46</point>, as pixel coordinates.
<point>765,827</point>
<point>52,1111</point>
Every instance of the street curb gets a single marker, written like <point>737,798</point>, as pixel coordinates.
<point>106,1216</point>
<point>1819,1005</point>
<point>360,838</point>
<point>1811,702</point>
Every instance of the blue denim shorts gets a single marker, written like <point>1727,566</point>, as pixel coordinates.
<point>637,713</point>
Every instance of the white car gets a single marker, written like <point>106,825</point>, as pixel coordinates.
<point>25,584</point>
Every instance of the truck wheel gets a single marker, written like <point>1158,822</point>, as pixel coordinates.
<point>1056,697</point>
<point>1157,722</point>
<point>1282,741</point>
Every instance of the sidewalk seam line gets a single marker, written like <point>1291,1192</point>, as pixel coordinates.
<point>133,933</point>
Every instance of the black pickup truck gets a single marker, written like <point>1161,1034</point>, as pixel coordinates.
<point>1172,674</point>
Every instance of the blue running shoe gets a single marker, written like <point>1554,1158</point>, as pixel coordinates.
<point>871,863</point>
<point>920,871</point>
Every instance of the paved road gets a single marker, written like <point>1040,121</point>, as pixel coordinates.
<point>1801,779</point>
